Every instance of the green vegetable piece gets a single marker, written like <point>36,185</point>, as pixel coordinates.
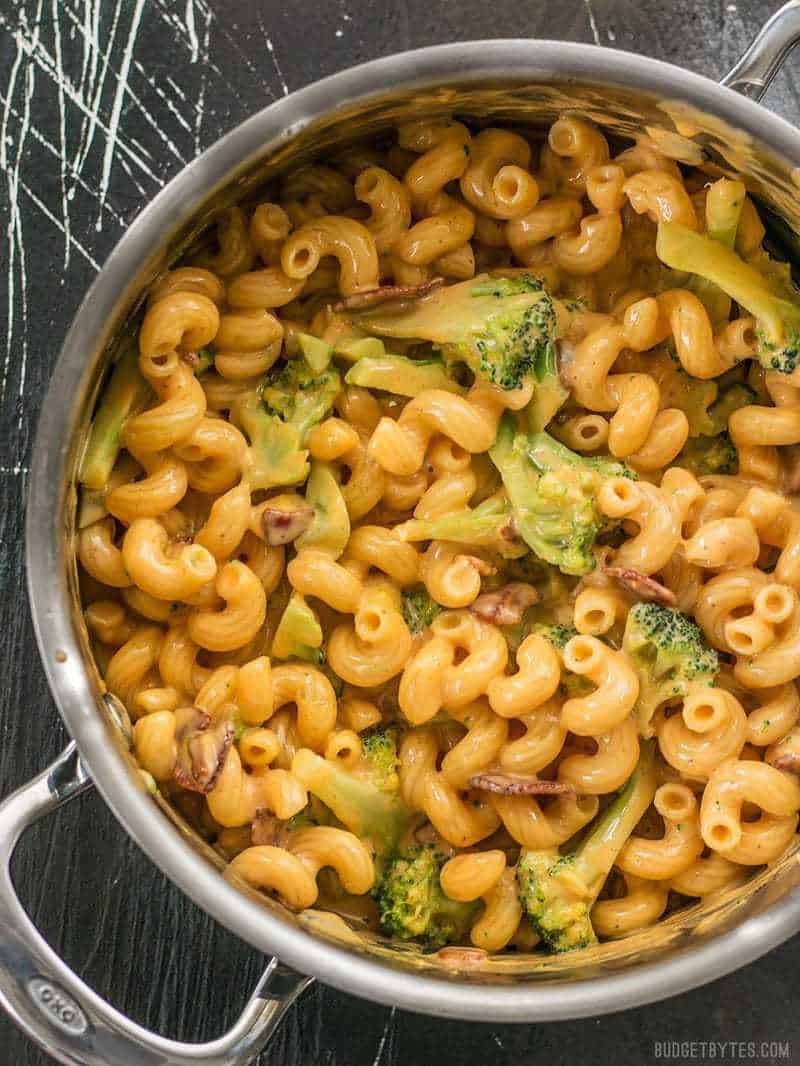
<point>668,652</point>
<point>557,892</point>
<point>354,349</point>
<point>126,393</point>
<point>295,399</point>
<point>412,904</point>
<point>769,296</point>
<point>558,635</point>
<point>300,396</point>
<point>723,208</point>
<point>400,375</point>
<point>732,399</point>
<point>364,798</point>
<point>703,456</point>
<point>275,455</point>
<point>553,495</point>
<point>490,525</point>
<point>299,634</point>
<point>330,528</point>
<point>549,396</point>
<point>92,507</point>
<point>504,329</point>
<point>419,610</point>
<point>379,756</point>
<point>317,353</point>
<point>205,360</point>
<point>724,202</point>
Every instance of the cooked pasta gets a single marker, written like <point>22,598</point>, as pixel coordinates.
<point>440,513</point>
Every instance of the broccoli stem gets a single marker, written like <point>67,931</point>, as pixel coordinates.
<point>598,851</point>
<point>724,203</point>
<point>483,526</point>
<point>125,394</point>
<point>361,806</point>
<point>400,375</point>
<point>681,249</point>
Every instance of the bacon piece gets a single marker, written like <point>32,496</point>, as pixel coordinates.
<point>360,301</point>
<point>507,605</point>
<point>789,762</point>
<point>281,527</point>
<point>484,569</point>
<point>520,785</point>
<point>267,829</point>
<point>646,588</point>
<point>201,750</point>
<point>191,359</point>
<point>508,531</point>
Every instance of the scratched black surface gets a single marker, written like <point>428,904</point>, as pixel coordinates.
<point>101,101</point>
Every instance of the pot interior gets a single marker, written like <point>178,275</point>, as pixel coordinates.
<point>683,132</point>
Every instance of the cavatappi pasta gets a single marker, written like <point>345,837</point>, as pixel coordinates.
<point>439,533</point>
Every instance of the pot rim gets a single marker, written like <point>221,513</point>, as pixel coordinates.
<point>508,60</point>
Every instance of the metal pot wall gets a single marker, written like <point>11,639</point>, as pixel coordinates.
<point>518,81</point>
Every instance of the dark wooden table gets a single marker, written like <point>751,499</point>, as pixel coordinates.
<point>101,102</point>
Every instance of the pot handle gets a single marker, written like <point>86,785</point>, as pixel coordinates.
<point>762,60</point>
<point>62,1014</point>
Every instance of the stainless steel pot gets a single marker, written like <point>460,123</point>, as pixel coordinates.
<point>521,81</point>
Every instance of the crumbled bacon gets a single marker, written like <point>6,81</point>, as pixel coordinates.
<point>520,785</point>
<point>483,568</point>
<point>642,586</point>
<point>508,531</point>
<point>360,301</point>
<point>788,761</point>
<point>281,527</point>
<point>507,605</point>
<point>202,750</point>
<point>267,829</point>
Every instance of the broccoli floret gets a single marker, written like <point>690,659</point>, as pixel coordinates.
<point>379,754</point>
<point>503,328</point>
<point>489,525</point>
<point>709,449</point>
<point>573,685</point>
<point>299,396</point>
<point>668,652</point>
<point>412,904</point>
<point>365,798</point>
<point>768,294</point>
<point>558,635</point>
<point>294,399</point>
<point>709,455</point>
<point>419,610</point>
<point>734,397</point>
<point>553,495</point>
<point>557,892</point>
